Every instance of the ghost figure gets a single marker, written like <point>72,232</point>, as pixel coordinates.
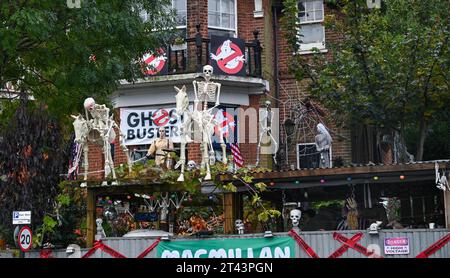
<point>100,232</point>
<point>73,251</point>
<point>295,216</point>
<point>323,143</point>
<point>239,226</point>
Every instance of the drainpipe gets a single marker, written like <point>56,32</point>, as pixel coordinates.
<point>276,52</point>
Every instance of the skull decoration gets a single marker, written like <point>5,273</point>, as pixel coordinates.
<point>100,232</point>
<point>295,216</point>
<point>89,103</point>
<point>207,72</point>
<point>191,165</point>
<point>239,226</point>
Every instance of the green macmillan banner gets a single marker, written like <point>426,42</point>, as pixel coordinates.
<point>283,247</point>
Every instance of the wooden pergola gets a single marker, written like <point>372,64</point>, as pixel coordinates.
<point>422,172</point>
<point>292,179</point>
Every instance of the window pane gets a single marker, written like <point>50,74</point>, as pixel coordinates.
<point>225,8</point>
<point>312,33</point>
<point>223,33</point>
<point>214,5</point>
<point>226,21</point>
<point>309,5</point>
<point>309,16</point>
<point>318,15</point>
<point>318,5</point>
<point>214,19</point>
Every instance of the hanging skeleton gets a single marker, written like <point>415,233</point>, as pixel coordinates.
<point>98,130</point>
<point>266,129</point>
<point>441,180</point>
<point>203,117</point>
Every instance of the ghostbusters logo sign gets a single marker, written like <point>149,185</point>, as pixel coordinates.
<point>155,63</point>
<point>227,55</point>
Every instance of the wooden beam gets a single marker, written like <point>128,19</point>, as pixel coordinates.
<point>231,211</point>
<point>401,168</point>
<point>90,214</point>
<point>447,208</point>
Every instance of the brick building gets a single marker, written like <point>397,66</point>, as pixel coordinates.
<point>266,78</point>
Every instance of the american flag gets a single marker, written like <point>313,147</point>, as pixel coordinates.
<point>237,157</point>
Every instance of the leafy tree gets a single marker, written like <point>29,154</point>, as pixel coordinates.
<point>61,55</point>
<point>390,68</point>
<point>57,56</point>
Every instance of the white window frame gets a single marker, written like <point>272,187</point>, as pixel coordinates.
<point>307,48</point>
<point>235,30</point>
<point>307,144</point>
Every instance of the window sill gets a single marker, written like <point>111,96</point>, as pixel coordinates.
<point>305,52</point>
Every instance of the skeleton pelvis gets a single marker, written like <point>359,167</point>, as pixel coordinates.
<point>95,136</point>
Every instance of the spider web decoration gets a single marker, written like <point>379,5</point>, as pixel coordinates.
<point>305,115</point>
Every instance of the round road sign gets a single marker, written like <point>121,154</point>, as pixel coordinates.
<point>25,238</point>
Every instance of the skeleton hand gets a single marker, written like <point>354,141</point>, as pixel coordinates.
<point>351,203</point>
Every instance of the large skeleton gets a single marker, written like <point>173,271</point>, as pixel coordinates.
<point>266,129</point>
<point>98,130</point>
<point>203,118</point>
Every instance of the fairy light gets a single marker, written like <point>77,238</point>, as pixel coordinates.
<point>402,177</point>
<point>272,183</point>
<point>376,178</point>
<point>297,182</point>
<point>322,181</point>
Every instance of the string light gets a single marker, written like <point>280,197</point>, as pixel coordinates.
<point>349,178</point>
<point>128,197</point>
<point>272,183</point>
<point>375,178</point>
<point>297,182</point>
<point>402,177</point>
<point>322,181</point>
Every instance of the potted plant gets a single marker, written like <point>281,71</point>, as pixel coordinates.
<point>179,44</point>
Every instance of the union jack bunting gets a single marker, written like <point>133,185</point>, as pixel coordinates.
<point>237,157</point>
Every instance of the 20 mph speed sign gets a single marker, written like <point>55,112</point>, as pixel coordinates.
<point>25,238</point>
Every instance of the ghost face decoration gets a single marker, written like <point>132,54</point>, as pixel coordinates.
<point>295,216</point>
<point>207,72</point>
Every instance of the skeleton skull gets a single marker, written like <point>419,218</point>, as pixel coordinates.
<point>89,103</point>
<point>239,226</point>
<point>295,216</point>
<point>207,72</point>
<point>191,165</point>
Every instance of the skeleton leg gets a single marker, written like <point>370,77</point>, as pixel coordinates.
<point>276,146</point>
<point>224,146</point>
<point>206,158</point>
<point>258,149</point>
<point>85,162</point>
<point>182,160</point>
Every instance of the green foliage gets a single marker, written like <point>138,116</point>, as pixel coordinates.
<point>389,70</point>
<point>46,47</point>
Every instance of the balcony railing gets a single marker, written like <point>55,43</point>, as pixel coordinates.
<point>193,53</point>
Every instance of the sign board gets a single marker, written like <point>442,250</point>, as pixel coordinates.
<point>25,238</point>
<point>140,124</point>
<point>228,55</point>
<point>21,217</point>
<point>156,63</point>
<point>396,245</point>
<point>280,247</point>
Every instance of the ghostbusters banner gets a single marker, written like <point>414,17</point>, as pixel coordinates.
<point>140,124</point>
<point>228,55</point>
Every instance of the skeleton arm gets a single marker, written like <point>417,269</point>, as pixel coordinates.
<point>217,98</point>
<point>194,83</point>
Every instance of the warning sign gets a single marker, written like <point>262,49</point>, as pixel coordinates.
<point>228,55</point>
<point>396,245</point>
<point>156,63</point>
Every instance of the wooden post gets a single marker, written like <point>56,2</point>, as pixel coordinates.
<point>231,208</point>
<point>447,208</point>
<point>90,221</point>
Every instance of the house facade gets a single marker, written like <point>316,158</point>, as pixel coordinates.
<point>264,76</point>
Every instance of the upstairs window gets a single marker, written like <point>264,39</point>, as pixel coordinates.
<point>181,13</point>
<point>222,17</point>
<point>312,32</point>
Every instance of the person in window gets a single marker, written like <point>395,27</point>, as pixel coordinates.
<point>160,149</point>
